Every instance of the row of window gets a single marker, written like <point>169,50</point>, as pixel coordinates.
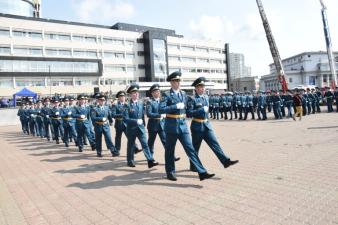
<point>198,60</point>
<point>65,37</point>
<point>197,70</point>
<point>193,48</point>
<point>48,66</point>
<point>119,68</point>
<point>38,51</point>
<point>57,82</point>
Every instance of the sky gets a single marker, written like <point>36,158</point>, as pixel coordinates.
<point>296,24</point>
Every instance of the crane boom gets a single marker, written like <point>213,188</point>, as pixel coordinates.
<point>273,47</point>
<point>329,46</point>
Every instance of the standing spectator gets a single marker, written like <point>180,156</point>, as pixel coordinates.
<point>297,100</point>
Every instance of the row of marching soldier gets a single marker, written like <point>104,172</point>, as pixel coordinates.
<point>166,118</point>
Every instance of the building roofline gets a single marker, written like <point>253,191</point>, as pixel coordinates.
<point>116,26</point>
<point>305,53</point>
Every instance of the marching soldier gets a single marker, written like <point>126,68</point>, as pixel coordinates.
<point>39,120</point>
<point>56,120</point>
<point>83,123</point>
<point>276,101</point>
<point>261,106</point>
<point>32,119</point>
<point>134,118</point>
<point>68,122</point>
<point>335,94</point>
<point>200,126</point>
<point>249,106</point>
<point>234,104</point>
<point>239,105</point>
<point>117,112</point>
<point>100,116</point>
<point>173,103</point>
<point>304,101</point>
<point>228,105</point>
<point>46,111</point>
<point>21,115</point>
<point>289,103</point>
<point>319,99</point>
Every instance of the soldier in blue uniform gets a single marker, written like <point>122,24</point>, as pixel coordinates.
<point>282,95</point>
<point>117,112</point>
<point>329,99</point>
<point>222,105</point>
<point>309,101</point>
<point>228,101</point>
<point>173,104</point>
<point>239,103</point>
<point>68,122</point>
<point>289,103</point>
<point>83,124</point>
<point>304,101</point>
<point>197,109</point>
<point>234,104</point>
<point>39,119</point>
<point>249,106</point>
<point>32,119</point>
<point>261,106</point>
<point>134,117</point>
<point>319,98</point>
<point>56,120</point>
<point>46,111</point>
<point>100,116</point>
<point>276,102</point>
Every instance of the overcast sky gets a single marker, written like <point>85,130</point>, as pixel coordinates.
<point>296,24</point>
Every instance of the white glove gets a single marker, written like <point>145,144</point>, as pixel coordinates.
<point>180,105</point>
<point>57,113</point>
<point>206,108</point>
<point>104,119</point>
<point>47,116</point>
<point>82,116</point>
<point>32,115</point>
<point>139,121</point>
<point>69,113</point>
<point>163,115</point>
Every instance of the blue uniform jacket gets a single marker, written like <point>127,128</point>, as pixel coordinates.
<point>195,110</point>
<point>155,123</point>
<point>168,106</point>
<point>133,112</point>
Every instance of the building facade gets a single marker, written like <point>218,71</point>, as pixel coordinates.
<point>307,69</point>
<point>238,68</point>
<point>53,56</point>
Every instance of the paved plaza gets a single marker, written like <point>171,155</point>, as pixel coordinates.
<point>287,174</point>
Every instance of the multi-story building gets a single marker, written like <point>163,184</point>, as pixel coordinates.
<point>238,68</point>
<point>53,56</point>
<point>307,69</point>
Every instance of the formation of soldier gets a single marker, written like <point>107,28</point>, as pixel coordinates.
<point>84,121</point>
<point>238,105</point>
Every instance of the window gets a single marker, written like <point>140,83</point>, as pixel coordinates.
<point>64,37</point>
<point>215,61</point>
<point>187,59</point>
<point>187,48</point>
<point>130,55</point>
<point>4,32</point>
<point>78,38</point>
<point>114,68</point>
<point>202,60</point>
<point>312,80</point>
<point>5,50</point>
<point>89,39</point>
<point>35,35</point>
<point>174,58</point>
<point>35,51</point>
<point>140,53</point>
<point>173,47</point>
<point>215,51</point>
<point>290,79</point>
<point>129,43</point>
<point>20,51</point>
<point>17,33</point>
<point>201,49</point>
<point>51,52</point>
<point>63,52</point>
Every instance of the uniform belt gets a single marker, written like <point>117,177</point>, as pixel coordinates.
<point>100,123</point>
<point>175,116</point>
<point>199,120</point>
<point>119,118</point>
<point>56,118</point>
<point>67,118</point>
<point>81,119</point>
<point>155,118</point>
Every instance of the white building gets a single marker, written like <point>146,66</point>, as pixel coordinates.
<point>53,56</point>
<point>238,69</point>
<point>307,69</point>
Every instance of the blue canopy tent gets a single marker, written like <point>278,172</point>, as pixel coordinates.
<point>24,93</point>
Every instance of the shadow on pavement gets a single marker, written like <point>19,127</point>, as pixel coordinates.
<point>135,178</point>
